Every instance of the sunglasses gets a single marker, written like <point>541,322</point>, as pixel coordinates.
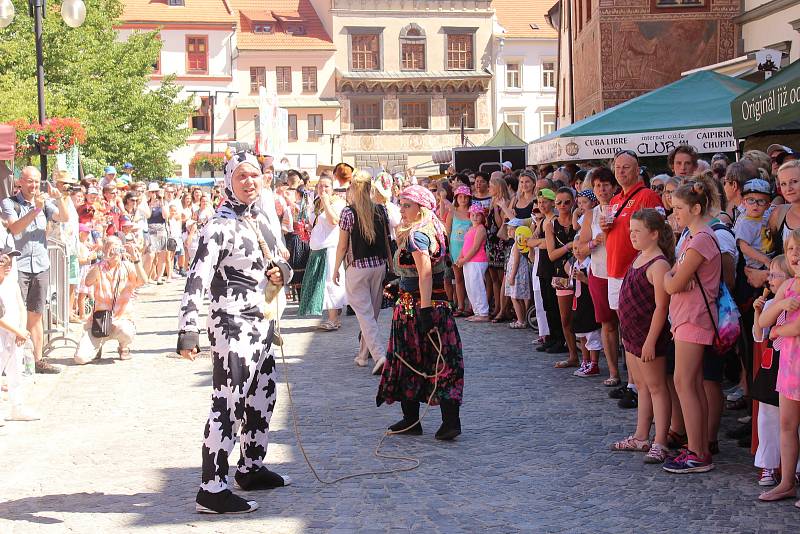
<point>756,201</point>
<point>659,188</point>
<point>630,153</point>
<point>563,202</point>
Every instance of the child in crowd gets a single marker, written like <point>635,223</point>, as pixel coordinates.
<point>457,224</point>
<point>518,273</point>
<point>752,233</point>
<point>474,262</point>
<point>786,333</point>
<point>767,358</point>
<point>586,328</point>
<point>643,307</point>
<point>692,282</point>
<point>13,336</point>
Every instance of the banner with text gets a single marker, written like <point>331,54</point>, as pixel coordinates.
<point>646,144</point>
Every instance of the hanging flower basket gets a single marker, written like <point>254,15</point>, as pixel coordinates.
<point>53,137</point>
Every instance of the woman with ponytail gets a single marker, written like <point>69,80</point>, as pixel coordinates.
<point>363,242</point>
<point>424,362</point>
<point>693,281</point>
<point>643,307</point>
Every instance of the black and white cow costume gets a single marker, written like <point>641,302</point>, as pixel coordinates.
<point>230,264</point>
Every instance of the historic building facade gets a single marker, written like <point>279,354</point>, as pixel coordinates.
<point>526,55</point>
<point>615,50</point>
<point>411,76</point>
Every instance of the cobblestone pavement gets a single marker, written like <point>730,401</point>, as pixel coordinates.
<point>118,449</point>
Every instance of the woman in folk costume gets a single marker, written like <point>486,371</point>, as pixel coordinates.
<point>238,262</point>
<point>422,309</point>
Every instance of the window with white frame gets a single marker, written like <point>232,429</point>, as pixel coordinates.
<point>515,121</point>
<point>548,122</point>
<point>513,75</point>
<point>549,74</point>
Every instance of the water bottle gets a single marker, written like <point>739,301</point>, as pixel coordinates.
<point>28,363</point>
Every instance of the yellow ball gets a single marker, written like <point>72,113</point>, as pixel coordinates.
<point>521,236</point>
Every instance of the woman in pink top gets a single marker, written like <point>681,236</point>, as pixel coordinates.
<point>474,261</point>
<point>699,257</point>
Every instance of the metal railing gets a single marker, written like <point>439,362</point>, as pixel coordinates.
<point>57,310</point>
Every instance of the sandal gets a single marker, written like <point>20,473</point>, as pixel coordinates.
<point>124,354</point>
<point>328,326</point>
<point>501,318</point>
<point>611,382</point>
<point>458,313</point>
<point>516,325</point>
<point>631,444</point>
<point>563,364</point>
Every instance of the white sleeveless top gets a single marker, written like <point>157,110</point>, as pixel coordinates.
<point>599,268</point>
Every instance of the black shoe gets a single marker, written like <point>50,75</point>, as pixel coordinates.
<point>557,348</point>
<point>224,502</point>
<point>43,367</point>
<point>261,479</point>
<point>542,347</point>
<point>451,423</point>
<point>412,429</point>
<point>618,393</point>
<point>629,400</point>
<point>741,431</point>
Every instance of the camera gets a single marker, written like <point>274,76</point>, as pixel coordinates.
<point>75,189</point>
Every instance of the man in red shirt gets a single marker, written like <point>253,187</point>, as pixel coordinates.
<point>633,197</point>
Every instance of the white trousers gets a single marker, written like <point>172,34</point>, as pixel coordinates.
<point>122,331</point>
<point>11,365</point>
<point>476,286</point>
<point>364,289</point>
<point>768,453</point>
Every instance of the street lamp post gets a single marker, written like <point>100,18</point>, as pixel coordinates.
<point>74,13</point>
<point>212,97</point>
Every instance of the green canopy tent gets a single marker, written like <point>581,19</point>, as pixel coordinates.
<point>772,105</point>
<point>505,137</point>
<point>694,110</point>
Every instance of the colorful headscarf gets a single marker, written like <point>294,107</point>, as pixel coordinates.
<point>419,195</point>
<point>422,196</point>
<point>588,193</point>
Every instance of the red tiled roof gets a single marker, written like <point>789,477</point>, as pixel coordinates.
<point>193,11</point>
<point>517,16</point>
<point>281,13</point>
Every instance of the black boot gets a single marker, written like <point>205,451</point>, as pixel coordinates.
<point>409,424</point>
<point>451,423</point>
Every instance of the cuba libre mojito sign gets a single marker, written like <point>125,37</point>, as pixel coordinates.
<point>705,140</point>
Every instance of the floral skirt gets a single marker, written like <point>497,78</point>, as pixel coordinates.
<point>398,382</point>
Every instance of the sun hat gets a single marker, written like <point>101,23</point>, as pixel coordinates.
<point>775,147</point>
<point>153,186</point>
<point>515,223</point>
<point>462,190</point>
<point>383,183</point>
<point>549,194</point>
<point>110,170</point>
<point>477,208</point>
<point>9,250</point>
<point>127,166</point>
<point>92,191</point>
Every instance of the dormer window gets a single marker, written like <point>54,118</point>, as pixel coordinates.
<point>176,3</point>
<point>262,27</point>
<point>296,29</point>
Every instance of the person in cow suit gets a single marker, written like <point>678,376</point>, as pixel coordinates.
<point>237,259</point>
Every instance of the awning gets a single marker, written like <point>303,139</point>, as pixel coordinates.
<point>694,110</point>
<point>202,182</point>
<point>769,106</point>
<point>505,137</point>
<point>8,139</point>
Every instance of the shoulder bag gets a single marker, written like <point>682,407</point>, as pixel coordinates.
<point>101,320</point>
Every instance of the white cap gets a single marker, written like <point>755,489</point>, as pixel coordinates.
<point>153,186</point>
<point>508,164</point>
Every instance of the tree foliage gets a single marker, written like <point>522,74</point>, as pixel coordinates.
<point>91,75</point>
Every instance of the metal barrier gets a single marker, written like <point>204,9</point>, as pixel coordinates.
<point>57,312</point>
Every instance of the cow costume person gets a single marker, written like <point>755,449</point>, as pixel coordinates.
<point>230,263</point>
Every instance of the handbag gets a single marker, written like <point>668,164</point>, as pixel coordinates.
<point>101,320</point>
<point>727,328</point>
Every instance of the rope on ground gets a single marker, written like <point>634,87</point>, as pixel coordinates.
<point>378,454</point>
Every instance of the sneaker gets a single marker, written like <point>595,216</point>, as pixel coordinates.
<point>735,395</point>
<point>656,455</point>
<point>590,370</point>
<point>767,478</point>
<point>747,419</point>
<point>261,479</point>
<point>579,371</point>
<point>688,462</point>
<point>43,367</point>
<point>22,414</point>
<point>629,400</point>
<point>224,502</point>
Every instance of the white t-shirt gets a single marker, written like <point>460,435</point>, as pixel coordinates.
<point>324,234</point>
<point>394,218</point>
<point>10,311</point>
<point>599,268</point>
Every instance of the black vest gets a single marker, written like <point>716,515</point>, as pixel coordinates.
<point>362,249</point>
